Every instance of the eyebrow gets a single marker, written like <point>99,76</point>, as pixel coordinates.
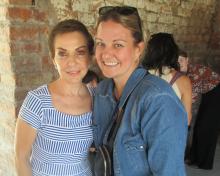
<point>116,40</point>
<point>60,48</point>
<point>84,46</point>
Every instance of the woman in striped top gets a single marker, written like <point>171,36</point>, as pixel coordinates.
<point>53,131</point>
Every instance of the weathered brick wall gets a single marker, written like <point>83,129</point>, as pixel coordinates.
<point>24,64</point>
<point>213,52</point>
<point>24,58</point>
<point>7,84</point>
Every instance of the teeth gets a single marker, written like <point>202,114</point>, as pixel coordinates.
<point>73,72</point>
<point>111,63</point>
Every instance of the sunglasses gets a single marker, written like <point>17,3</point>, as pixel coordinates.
<point>122,10</point>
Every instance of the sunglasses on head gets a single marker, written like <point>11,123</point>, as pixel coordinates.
<point>123,10</point>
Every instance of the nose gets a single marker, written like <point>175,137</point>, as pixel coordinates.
<point>107,53</point>
<point>72,60</point>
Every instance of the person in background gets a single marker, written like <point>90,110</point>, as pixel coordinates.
<point>91,78</point>
<point>162,60</point>
<point>54,126</point>
<point>150,139</point>
<point>203,78</point>
<point>204,130</point>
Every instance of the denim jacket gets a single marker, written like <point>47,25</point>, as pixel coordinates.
<point>152,134</point>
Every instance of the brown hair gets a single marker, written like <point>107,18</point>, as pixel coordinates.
<point>67,26</point>
<point>183,53</point>
<point>130,21</point>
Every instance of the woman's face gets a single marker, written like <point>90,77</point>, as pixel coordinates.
<point>71,56</point>
<point>183,61</point>
<point>116,53</point>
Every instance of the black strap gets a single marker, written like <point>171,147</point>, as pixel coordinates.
<point>115,126</point>
<point>175,77</point>
<point>119,112</point>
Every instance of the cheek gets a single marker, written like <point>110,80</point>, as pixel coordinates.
<point>127,56</point>
<point>85,62</point>
<point>98,56</point>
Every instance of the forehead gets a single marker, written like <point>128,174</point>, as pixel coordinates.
<point>110,30</point>
<point>182,58</point>
<point>69,40</point>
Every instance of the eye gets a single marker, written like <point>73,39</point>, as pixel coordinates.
<point>99,44</point>
<point>81,52</point>
<point>62,54</point>
<point>118,45</point>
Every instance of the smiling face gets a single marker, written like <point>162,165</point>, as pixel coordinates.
<point>116,52</point>
<point>71,56</point>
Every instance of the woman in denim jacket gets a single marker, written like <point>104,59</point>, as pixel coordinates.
<point>152,134</point>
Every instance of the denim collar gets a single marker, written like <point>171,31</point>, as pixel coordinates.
<point>107,88</point>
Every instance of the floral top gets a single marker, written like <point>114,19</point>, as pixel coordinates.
<point>203,80</point>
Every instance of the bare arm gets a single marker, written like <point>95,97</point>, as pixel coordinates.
<point>24,138</point>
<point>184,84</point>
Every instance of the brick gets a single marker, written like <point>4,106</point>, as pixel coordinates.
<point>28,33</point>
<point>87,18</point>
<point>152,17</point>
<point>5,49</point>
<point>8,108</point>
<point>19,13</point>
<point>7,80</point>
<point>26,64</point>
<point>29,79</point>
<point>166,19</point>
<point>20,94</point>
<point>40,15</point>
<point>3,11</point>
<point>6,66</point>
<point>20,2</point>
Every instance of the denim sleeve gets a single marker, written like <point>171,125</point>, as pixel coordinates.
<point>164,128</point>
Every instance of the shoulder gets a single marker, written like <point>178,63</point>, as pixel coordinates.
<point>42,90</point>
<point>153,86</point>
<point>105,87</point>
<point>91,89</point>
<point>38,94</point>
<point>184,81</point>
<point>155,83</point>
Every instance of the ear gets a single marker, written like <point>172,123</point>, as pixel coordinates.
<point>139,49</point>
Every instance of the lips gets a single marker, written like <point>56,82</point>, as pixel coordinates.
<point>73,72</point>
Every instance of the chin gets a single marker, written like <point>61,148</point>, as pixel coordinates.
<point>108,74</point>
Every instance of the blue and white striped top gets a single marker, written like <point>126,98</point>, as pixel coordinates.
<point>63,140</point>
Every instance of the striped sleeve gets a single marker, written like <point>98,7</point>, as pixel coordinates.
<point>91,90</point>
<point>31,110</point>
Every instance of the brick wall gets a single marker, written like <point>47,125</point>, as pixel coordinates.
<point>24,58</point>
<point>24,64</point>
<point>213,55</point>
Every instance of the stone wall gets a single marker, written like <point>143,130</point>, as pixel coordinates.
<point>24,58</point>
<point>212,57</point>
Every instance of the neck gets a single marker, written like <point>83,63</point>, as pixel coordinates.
<point>120,83</point>
<point>65,88</point>
<point>119,87</point>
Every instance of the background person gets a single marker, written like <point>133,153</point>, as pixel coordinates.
<point>162,60</point>
<point>204,130</point>
<point>53,131</point>
<point>91,78</point>
<point>203,78</point>
<point>150,139</point>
